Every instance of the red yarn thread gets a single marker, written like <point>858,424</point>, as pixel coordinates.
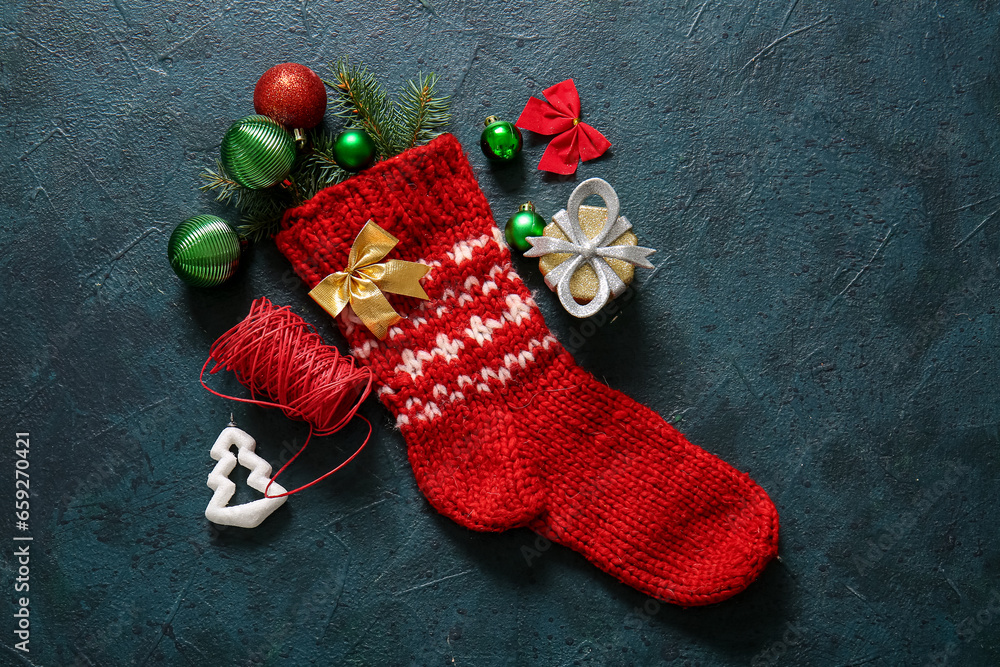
<point>275,353</point>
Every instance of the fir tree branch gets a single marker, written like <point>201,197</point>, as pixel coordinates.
<point>415,118</point>
<point>226,189</point>
<point>421,114</point>
<point>258,227</point>
<point>362,102</point>
<point>319,164</point>
<point>261,209</point>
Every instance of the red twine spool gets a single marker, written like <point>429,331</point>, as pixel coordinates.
<point>275,353</point>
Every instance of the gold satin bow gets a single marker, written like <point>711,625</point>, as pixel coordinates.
<point>364,280</point>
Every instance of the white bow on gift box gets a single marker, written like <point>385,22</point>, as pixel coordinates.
<point>582,248</point>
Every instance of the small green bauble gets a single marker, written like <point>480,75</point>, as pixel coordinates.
<point>500,141</point>
<point>354,150</point>
<point>204,251</point>
<point>526,222</point>
<point>257,152</point>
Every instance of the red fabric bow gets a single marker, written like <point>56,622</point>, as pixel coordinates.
<point>561,115</point>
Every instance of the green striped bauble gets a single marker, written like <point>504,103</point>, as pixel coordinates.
<point>204,251</point>
<point>257,152</point>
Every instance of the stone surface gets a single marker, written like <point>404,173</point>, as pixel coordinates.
<point>821,182</point>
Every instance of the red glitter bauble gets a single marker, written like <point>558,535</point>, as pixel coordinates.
<point>291,94</point>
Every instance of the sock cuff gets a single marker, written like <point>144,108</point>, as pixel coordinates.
<point>426,197</point>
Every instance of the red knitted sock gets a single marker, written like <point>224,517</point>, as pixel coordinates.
<point>502,428</point>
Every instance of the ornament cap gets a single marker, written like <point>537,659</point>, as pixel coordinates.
<point>490,120</point>
<point>300,137</point>
<point>527,206</point>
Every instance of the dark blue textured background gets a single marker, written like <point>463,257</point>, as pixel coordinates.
<point>821,181</point>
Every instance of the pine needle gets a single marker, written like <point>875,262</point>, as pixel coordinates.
<point>362,102</point>
<point>421,114</point>
<point>226,188</point>
<point>320,163</point>
<point>257,228</point>
<point>261,209</point>
<point>359,99</point>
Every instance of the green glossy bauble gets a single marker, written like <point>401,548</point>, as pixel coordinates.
<point>354,150</point>
<point>500,141</point>
<point>257,152</point>
<point>204,251</point>
<point>526,222</point>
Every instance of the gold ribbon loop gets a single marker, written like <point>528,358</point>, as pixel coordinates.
<point>362,283</point>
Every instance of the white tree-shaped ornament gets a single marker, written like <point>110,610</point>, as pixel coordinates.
<point>247,515</point>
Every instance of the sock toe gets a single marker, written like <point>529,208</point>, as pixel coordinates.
<point>730,534</point>
<point>654,510</point>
